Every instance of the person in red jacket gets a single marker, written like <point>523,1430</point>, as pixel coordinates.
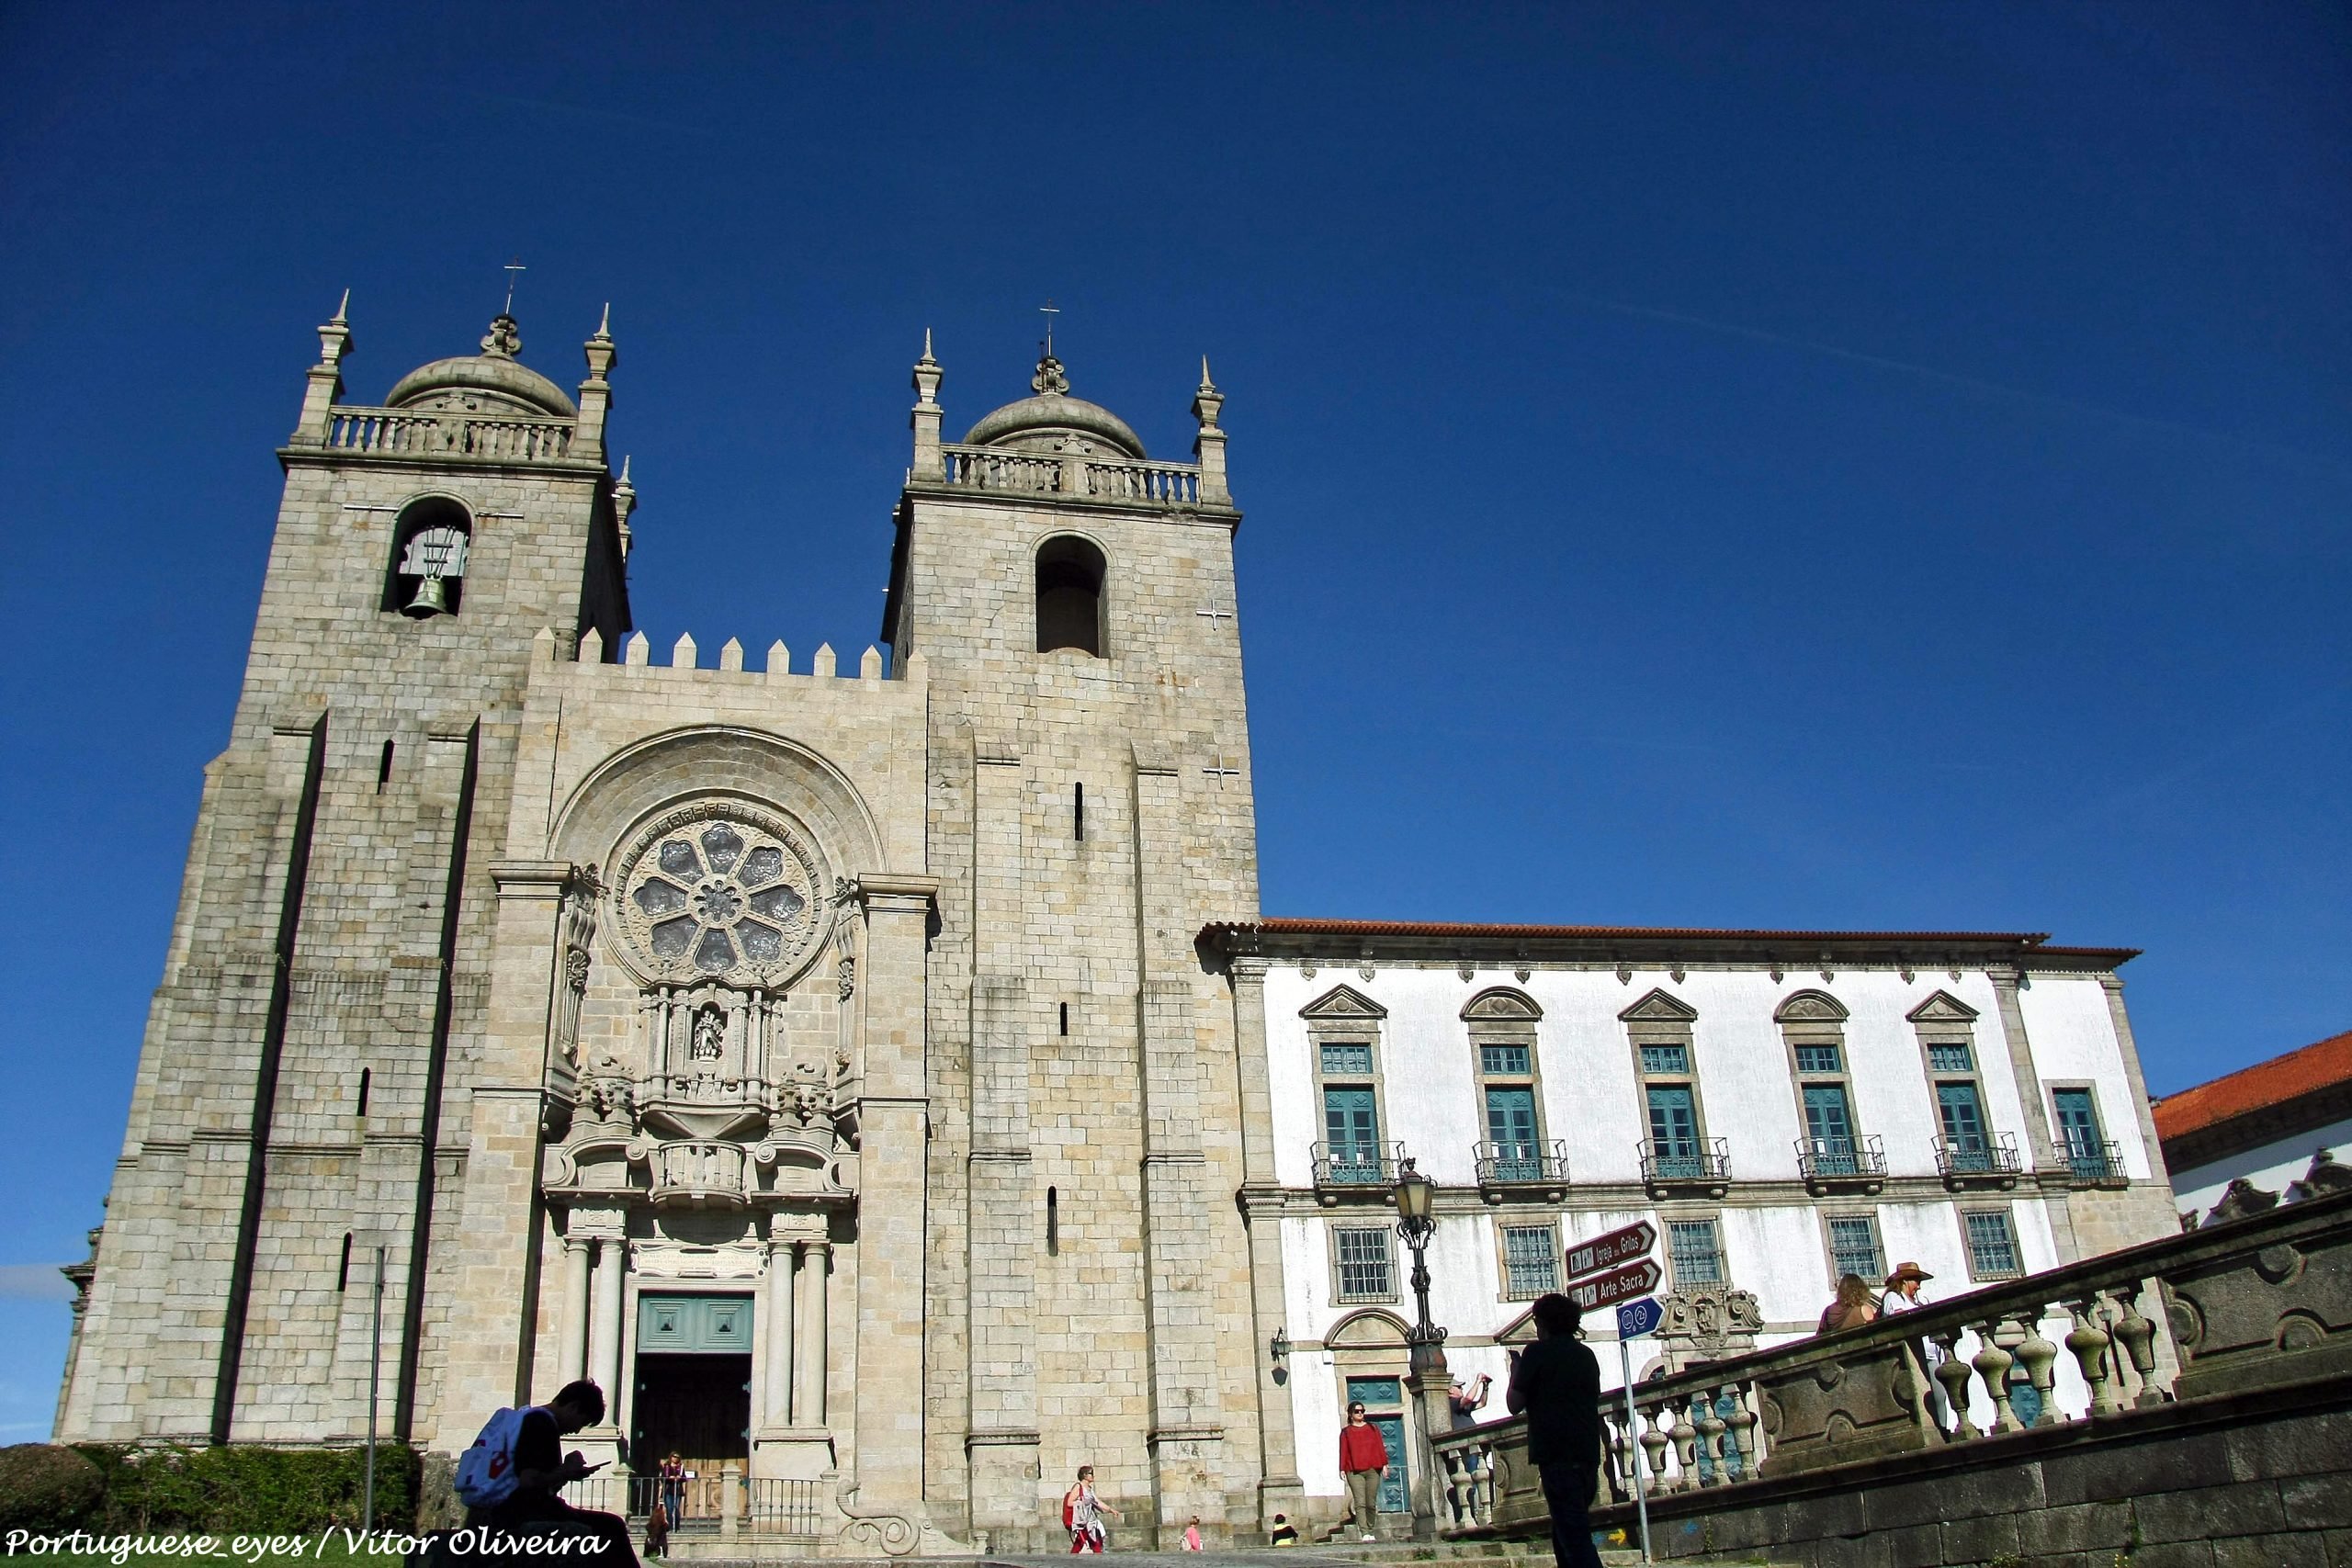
<point>1363,1463</point>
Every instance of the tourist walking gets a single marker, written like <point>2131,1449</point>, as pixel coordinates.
<point>1853,1307</point>
<point>1556,1383</point>
<point>1902,1294</point>
<point>1364,1465</point>
<point>1082,1513</point>
<point>1192,1534</point>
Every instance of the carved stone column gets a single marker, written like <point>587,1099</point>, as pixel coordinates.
<point>776,1403</point>
<point>604,1326</point>
<point>571,1361</point>
<point>809,1377</point>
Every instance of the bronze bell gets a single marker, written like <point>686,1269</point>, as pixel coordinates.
<point>431,599</point>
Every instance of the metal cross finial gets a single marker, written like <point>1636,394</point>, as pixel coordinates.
<point>1049,310</point>
<point>512,268</point>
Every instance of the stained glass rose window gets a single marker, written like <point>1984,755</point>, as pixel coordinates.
<point>719,891</point>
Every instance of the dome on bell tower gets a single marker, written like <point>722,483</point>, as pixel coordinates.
<point>1041,424</point>
<point>493,378</point>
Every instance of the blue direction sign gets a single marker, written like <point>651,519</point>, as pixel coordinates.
<point>1637,1318</point>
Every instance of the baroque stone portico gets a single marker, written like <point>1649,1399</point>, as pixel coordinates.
<point>861,1067</point>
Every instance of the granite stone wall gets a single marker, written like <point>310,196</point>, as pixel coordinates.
<point>2253,1481</point>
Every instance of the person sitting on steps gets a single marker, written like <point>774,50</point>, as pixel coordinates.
<point>540,1472</point>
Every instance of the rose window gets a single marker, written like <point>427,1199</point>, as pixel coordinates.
<point>719,891</point>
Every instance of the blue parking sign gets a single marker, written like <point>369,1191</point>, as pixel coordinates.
<point>1636,1318</point>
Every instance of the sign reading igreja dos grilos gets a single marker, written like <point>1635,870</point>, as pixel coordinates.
<point>1608,1251</point>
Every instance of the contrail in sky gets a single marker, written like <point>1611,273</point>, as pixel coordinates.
<point>1967,383</point>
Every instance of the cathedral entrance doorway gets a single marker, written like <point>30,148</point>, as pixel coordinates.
<point>693,1397</point>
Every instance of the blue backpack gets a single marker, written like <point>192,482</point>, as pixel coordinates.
<point>486,1471</point>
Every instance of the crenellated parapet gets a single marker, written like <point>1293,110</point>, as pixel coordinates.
<point>685,655</point>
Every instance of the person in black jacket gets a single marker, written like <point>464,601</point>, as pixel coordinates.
<point>542,1472</point>
<point>1556,1383</point>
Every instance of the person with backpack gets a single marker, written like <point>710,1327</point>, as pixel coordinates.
<point>1083,1512</point>
<point>510,1479</point>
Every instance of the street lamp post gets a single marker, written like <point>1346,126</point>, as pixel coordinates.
<point>1425,1345</point>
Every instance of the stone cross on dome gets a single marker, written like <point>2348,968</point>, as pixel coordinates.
<point>505,340</point>
<point>1049,378</point>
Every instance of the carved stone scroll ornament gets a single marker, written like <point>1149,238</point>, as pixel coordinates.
<point>893,1535</point>
<point>577,931</point>
<point>1711,1319</point>
<point>2241,1198</point>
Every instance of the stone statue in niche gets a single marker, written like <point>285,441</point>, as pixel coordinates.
<point>710,1037</point>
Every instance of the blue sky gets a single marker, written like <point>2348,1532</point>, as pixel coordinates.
<point>1753,466</point>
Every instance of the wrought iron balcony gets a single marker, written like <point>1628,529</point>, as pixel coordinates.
<point>1525,1165</point>
<point>1369,1168</point>
<point>1842,1162</point>
<point>1979,1162</point>
<point>2094,1164</point>
<point>1701,1163</point>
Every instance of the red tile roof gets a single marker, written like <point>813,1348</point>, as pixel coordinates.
<point>2024,943</point>
<point>1450,928</point>
<point>2327,1065</point>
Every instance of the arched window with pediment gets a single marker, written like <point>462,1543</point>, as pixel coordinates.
<point>1501,1024</point>
<point>1834,1149</point>
<point>1343,1032</point>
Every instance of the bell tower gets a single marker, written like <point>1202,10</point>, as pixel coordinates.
<point>1090,811</point>
<point>326,974</point>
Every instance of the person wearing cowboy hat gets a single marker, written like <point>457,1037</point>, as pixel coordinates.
<point>1902,1295</point>
<point>1902,1287</point>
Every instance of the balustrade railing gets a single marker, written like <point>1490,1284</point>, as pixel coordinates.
<point>1364,1163</point>
<point>694,1173</point>
<point>1527,1163</point>
<point>631,1497</point>
<point>1686,1162</point>
<point>1842,1159</point>
<point>2248,1304</point>
<point>1071,476</point>
<point>783,1507</point>
<point>1967,1161</point>
<point>2096,1164</point>
<point>767,1506</point>
<point>447,433</point>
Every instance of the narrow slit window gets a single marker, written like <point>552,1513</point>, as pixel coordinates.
<point>384,768</point>
<point>1065,1018</point>
<point>343,1269</point>
<point>1079,814</point>
<point>1053,1222</point>
<point>367,1075</point>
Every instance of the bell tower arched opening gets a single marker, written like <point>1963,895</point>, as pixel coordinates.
<point>1070,595</point>
<point>428,567</point>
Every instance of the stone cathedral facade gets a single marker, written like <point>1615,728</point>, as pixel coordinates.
<point>860,1069</point>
